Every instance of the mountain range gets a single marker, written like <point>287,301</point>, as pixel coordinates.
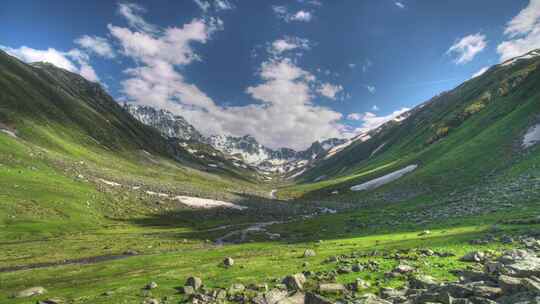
<point>246,148</point>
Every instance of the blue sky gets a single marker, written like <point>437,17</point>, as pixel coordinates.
<point>286,72</point>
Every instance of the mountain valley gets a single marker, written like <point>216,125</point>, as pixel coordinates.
<point>104,203</point>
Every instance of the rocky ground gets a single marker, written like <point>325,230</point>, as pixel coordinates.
<point>491,276</point>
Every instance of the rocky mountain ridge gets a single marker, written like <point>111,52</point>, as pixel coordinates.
<point>245,148</point>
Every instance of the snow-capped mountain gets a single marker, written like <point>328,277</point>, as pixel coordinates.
<point>245,148</point>
<point>167,123</point>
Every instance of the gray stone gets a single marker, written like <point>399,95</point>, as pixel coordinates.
<point>332,288</point>
<point>236,289</point>
<point>312,298</point>
<point>151,301</point>
<point>295,281</point>
<point>403,268</point>
<point>422,282</point>
<point>297,298</point>
<point>151,285</point>
<point>228,262</point>
<point>309,253</point>
<point>474,256</point>
<point>487,292</point>
<point>509,284</point>
<point>359,285</point>
<point>188,290</point>
<point>194,282</point>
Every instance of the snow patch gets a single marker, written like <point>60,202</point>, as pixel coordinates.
<point>106,182</point>
<point>532,137</point>
<point>212,165</point>
<point>375,183</point>
<point>157,194</point>
<point>377,149</point>
<point>9,132</point>
<point>526,56</point>
<point>206,203</point>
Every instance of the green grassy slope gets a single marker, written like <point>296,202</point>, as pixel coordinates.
<point>456,138</point>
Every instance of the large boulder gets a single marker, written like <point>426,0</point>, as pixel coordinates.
<point>520,263</point>
<point>295,281</point>
<point>194,282</point>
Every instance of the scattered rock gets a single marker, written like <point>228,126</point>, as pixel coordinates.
<point>151,285</point>
<point>194,282</point>
<point>474,256</point>
<point>403,269</point>
<point>236,289</point>
<point>312,298</point>
<point>228,262</point>
<point>295,281</point>
<point>332,288</point>
<point>309,253</point>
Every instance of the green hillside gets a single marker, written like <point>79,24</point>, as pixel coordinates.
<point>91,206</point>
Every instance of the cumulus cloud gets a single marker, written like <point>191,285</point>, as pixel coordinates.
<point>480,72</point>
<point>74,60</point>
<point>522,32</point>
<point>329,90</point>
<point>217,5</point>
<point>371,89</point>
<point>354,116</point>
<point>399,4</point>
<point>132,13</point>
<point>375,108</point>
<point>301,15</point>
<point>288,44</point>
<point>283,114</point>
<point>468,47</point>
<point>97,45</point>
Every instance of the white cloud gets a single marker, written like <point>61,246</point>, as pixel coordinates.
<point>354,116</point>
<point>74,60</point>
<point>523,32</point>
<point>329,90</point>
<point>468,47</point>
<point>203,5</point>
<point>284,114</point>
<point>97,45</point>
<point>480,72</point>
<point>217,5</point>
<point>352,65</point>
<point>132,12</point>
<point>222,5</point>
<point>288,44</point>
<point>301,15</point>
<point>375,108</point>
<point>399,4</point>
<point>371,89</point>
<point>525,21</point>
